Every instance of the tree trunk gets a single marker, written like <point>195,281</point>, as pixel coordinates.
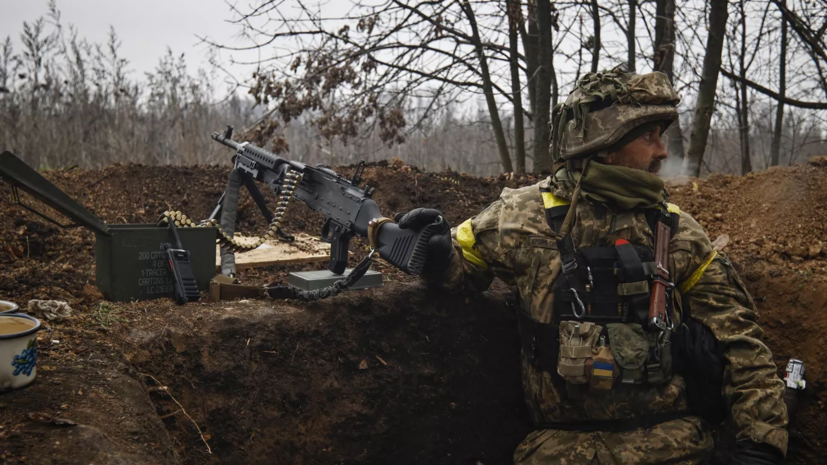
<point>580,48</point>
<point>530,38</point>
<point>630,36</point>
<point>666,53</point>
<point>514,18</point>
<point>746,163</point>
<point>596,50</point>
<point>664,59</point>
<point>775,147</point>
<point>542,158</point>
<point>743,129</point>
<point>660,28</point>
<point>706,92</point>
<point>496,124</point>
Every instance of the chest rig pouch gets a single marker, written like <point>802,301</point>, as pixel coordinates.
<point>601,332</point>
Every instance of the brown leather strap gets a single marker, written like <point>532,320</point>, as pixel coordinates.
<point>230,291</point>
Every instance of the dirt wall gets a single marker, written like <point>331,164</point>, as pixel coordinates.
<point>269,380</point>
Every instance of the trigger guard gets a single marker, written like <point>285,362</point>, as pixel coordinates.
<point>325,236</point>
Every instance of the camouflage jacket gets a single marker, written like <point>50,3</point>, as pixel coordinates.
<point>511,240</point>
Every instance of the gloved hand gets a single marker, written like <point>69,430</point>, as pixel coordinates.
<point>756,453</point>
<point>440,247</point>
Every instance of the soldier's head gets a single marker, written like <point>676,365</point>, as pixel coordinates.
<point>615,117</point>
<point>642,148</point>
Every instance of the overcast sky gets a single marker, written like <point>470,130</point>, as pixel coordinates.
<point>145,27</point>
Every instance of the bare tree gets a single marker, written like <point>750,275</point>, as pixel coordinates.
<point>809,33</point>
<point>530,37</point>
<point>741,96</point>
<point>596,37</point>
<point>775,149</point>
<point>67,101</point>
<point>487,87</point>
<point>630,36</point>
<point>663,61</point>
<point>546,19</point>
<point>705,104</point>
<point>514,13</point>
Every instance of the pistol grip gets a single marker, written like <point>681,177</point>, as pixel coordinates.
<point>338,237</point>
<point>338,253</point>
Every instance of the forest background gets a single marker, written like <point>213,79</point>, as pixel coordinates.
<point>465,85</point>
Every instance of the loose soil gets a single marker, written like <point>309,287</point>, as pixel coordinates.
<point>390,375</point>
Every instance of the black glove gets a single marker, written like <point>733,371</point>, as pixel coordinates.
<point>440,247</point>
<point>756,453</point>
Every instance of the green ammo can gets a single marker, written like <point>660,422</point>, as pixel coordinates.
<point>132,264</point>
<point>130,258</point>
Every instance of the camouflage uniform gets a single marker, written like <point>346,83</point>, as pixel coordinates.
<point>512,240</point>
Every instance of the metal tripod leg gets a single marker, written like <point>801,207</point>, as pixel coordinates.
<point>229,211</point>
<point>258,198</point>
<point>250,184</point>
<point>218,205</point>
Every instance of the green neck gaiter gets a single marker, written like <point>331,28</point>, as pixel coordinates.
<point>626,188</point>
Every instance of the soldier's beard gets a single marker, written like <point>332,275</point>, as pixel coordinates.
<point>634,161</point>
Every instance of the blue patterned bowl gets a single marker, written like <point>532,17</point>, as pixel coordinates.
<point>18,350</point>
<point>7,307</point>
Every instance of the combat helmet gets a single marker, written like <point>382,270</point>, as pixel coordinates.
<point>604,107</point>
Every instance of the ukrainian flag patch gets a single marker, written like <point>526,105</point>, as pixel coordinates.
<point>603,369</point>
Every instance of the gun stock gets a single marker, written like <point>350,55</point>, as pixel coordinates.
<point>406,249</point>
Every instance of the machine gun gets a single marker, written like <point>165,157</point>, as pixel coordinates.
<point>348,209</point>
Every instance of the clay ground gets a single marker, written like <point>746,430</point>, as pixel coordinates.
<point>395,375</point>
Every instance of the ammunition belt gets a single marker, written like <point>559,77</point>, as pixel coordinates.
<point>291,180</point>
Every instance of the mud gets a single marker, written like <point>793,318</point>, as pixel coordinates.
<point>395,375</point>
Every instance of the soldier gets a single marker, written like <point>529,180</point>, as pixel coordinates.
<point>612,374</point>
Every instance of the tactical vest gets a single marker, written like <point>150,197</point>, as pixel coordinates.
<point>598,335</point>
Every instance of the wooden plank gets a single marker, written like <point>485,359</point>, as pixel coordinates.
<point>305,249</point>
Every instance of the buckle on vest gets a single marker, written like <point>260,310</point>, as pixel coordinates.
<point>569,266</point>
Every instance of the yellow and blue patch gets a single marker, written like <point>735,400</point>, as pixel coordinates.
<point>603,369</point>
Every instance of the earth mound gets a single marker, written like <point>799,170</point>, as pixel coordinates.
<point>393,375</point>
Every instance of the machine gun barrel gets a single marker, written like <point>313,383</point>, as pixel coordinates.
<point>256,156</point>
<point>226,140</point>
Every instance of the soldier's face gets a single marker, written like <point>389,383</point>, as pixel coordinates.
<point>647,153</point>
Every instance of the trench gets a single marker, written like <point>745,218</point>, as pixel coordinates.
<point>392,376</point>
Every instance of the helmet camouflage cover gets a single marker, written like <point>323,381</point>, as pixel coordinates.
<point>604,107</point>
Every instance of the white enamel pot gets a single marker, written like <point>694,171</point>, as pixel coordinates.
<point>7,307</point>
<point>18,350</point>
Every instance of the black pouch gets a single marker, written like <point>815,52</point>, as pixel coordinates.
<point>698,358</point>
